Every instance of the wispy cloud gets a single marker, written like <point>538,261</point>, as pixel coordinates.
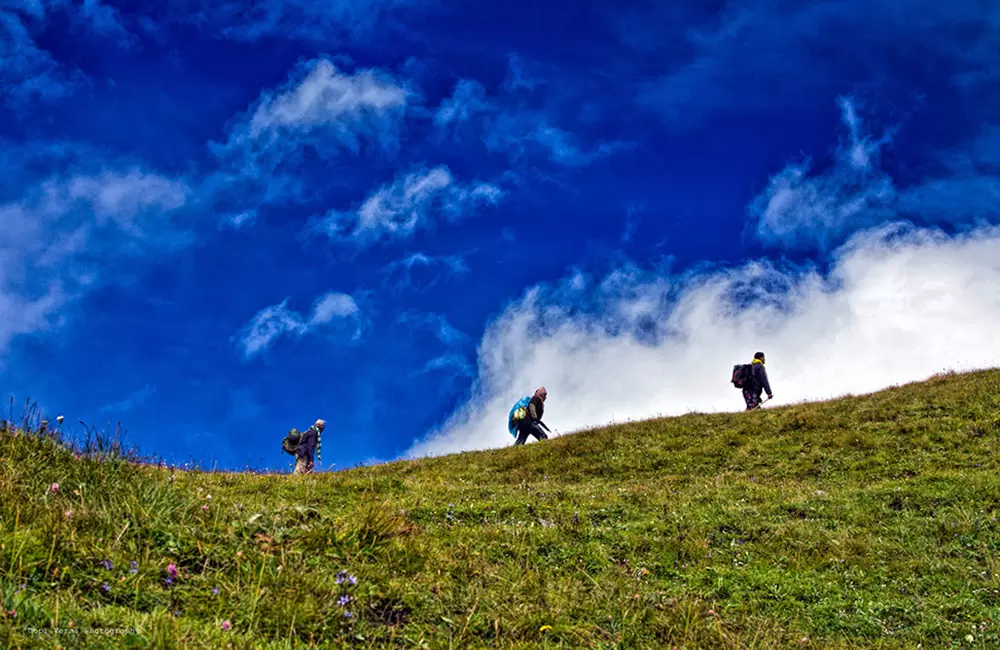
<point>276,321</point>
<point>318,99</point>
<point>466,101</point>
<point>437,324</point>
<point>453,361</point>
<point>423,271</point>
<point>800,208</point>
<point>238,220</point>
<point>633,213</point>
<point>320,113</point>
<point>134,400</point>
<point>969,192</point>
<point>742,61</point>
<point>302,20</point>
<point>326,98</point>
<point>507,124</point>
<point>121,197</point>
<point>61,234</point>
<point>523,134</point>
<point>105,20</point>
<point>453,364</point>
<point>409,203</point>
<point>28,73</point>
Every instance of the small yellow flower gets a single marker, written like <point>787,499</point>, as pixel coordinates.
<point>545,628</point>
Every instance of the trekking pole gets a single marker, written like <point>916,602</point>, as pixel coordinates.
<point>762,403</point>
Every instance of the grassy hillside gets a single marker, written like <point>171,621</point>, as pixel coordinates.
<point>864,522</point>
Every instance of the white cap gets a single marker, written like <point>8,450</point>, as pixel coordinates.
<point>320,423</point>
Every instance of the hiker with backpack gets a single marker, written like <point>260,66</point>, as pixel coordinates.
<point>526,418</point>
<point>751,378</point>
<point>303,445</point>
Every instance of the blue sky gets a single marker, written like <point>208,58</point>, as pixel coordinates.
<point>221,220</point>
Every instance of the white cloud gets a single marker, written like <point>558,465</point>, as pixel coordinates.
<point>283,148</point>
<point>328,97</point>
<point>331,306</point>
<point>319,113</point>
<point>898,304</point>
<point>56,231</point>
<point>121,197</point>
<point>801,209</point>
<point>398,209</point>
<point>320,100</point>
<point>278,320</point>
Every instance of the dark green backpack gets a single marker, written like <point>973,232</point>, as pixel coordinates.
<point>291,442</point>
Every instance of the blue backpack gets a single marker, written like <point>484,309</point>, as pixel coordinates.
<point>517,413</point>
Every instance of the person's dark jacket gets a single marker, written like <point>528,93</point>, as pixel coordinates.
<point>760,379</point>
<point>307,443</point>
<point>536,409</point>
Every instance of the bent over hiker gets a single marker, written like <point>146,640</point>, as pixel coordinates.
<point>526,419</point>
<point>757,383</point>
<point>309,443</point>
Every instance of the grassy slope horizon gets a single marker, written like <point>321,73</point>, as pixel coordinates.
<point>865,521</point>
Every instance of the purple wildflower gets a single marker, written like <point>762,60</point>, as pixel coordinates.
<point>134,567</point>
<point>172,570</point>
<point>343,600</point>
<point>105,588</point>
<point>215,591</point>
<point>341,577</point>
<point>348,615</point>
<point>226,624</point>
<point>352,580</point>
<point>168,581</point>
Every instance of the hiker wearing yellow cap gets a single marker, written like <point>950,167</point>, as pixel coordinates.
<point>751,378</point>
<point>309,443</point>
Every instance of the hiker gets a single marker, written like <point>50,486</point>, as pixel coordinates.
<point>309,443</point>
<point>755,382</point>
<point>526,418</point>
